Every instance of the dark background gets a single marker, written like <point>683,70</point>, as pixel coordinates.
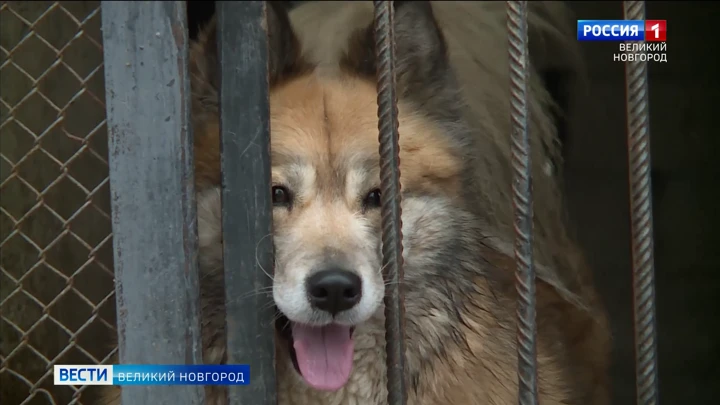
<point>683,99</point>
<point>684,145</point>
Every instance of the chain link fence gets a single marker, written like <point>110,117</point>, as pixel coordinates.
<point>56,276</point>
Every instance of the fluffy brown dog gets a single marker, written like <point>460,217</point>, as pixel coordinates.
<point>454,110</point>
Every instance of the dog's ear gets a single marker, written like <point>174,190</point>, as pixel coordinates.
<point>422,67</point>
<point>284,54</point>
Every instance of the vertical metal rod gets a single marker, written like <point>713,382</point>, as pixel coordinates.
<point>522,203</point>
<point>638,117</point>
<point>153,193</point>
<point>246,200</point>
<point>392,246</point>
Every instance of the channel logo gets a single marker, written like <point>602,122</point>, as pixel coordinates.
<point>622,30</point>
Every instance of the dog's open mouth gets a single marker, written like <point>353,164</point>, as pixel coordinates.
<point>322,355</point>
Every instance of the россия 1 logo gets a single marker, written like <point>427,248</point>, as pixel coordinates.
<point>641,40</point>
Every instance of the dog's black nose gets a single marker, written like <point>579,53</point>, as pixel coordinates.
<point>334,290</point>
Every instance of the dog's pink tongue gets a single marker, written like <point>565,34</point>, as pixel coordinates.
<point>324,355</point>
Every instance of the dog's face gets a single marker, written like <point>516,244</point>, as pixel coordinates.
<point>326,178</point>
<point>326,204</point>
<point>326,195</point>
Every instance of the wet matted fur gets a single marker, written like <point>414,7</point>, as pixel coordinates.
<point>453,87</point>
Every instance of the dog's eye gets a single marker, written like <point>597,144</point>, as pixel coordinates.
<point>372,199</point>
<point>280,196</point>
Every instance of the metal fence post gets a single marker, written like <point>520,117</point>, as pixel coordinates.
<point>246,200</point>
<point>153,197</point>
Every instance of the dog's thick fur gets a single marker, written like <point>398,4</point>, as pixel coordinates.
<point>454,110</point>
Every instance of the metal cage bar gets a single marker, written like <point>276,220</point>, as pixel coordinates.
<point>392,246</point>
<point>246,200</point>
<point>638,127</point>
<point>153,196</point>
<point>522,203</point>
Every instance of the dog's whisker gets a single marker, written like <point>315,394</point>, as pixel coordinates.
<point>257,259</point>
<point>381,269</point>
<point>211,272</point>
<point>267,305</point>
<point>277,317</point>
<point>252,294</point>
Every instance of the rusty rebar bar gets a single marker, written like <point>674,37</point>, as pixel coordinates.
<point>392,246</point>
<point>638,117</point>
<point>522,203</point>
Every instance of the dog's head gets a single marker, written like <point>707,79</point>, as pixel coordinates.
<point>325,174</point>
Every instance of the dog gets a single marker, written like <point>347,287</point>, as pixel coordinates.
<point>452,80</point>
